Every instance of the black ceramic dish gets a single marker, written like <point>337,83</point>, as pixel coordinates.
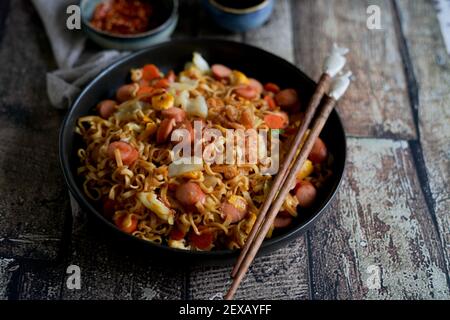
<point>173,55</point>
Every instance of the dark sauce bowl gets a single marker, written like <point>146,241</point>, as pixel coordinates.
<point>252,61</point>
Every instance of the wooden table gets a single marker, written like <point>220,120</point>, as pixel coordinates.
<point>390,218</point>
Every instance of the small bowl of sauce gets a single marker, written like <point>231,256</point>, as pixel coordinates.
<point>239,15</point>
<point>129,24</point>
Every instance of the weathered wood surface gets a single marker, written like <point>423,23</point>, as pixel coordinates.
<point>107,272</point>
<point>380,218</point>
<point>383,215</point>
<point>34,199</point>
<point>276,35</point>
<point>431,65</point>
<point>377,103</point>
<point>7,269</point>
<point>279,275</point>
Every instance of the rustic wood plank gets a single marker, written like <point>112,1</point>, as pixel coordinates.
<point>377,103</point>
<point>110,273</point>
<point>34,199</point>
<point>4,10</point>
<point>7,269</point>
<point>276,35</point>
<point>40,281</point>
<point>380,218</point>
<point>431,66</point>
<point>282,274</point>
<point>106,273</point>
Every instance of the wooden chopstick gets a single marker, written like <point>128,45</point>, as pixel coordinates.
<point>318,125</point>
<point>280,178</point>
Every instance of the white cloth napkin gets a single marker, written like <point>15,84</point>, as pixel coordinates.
<point>76,67</point>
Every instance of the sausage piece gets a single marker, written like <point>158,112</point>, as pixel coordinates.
<point>189,193</point>
<point>127,223</point>
<point>127,152</point>
<point>287,98</point>
<point>220,71</point>
<point>174,113</point>
<point>164,130</point>
<point>247,92</point>
<point>306,194</point>
<point>319,152</point>
<point>272,87</point>
<point>234,213</point>
<point>125,92</point>
<point>106,108</point>
<point>255,84</point>
<point>282,221</point>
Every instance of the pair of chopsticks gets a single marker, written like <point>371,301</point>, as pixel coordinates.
<point>287,173</point>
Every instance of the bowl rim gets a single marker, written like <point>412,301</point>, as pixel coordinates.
<point>173,15</point>
<point>81,199</point>
<point>252,9</point>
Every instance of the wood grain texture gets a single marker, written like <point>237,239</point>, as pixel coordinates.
<point>282,274</point>
<point>7,269</point>
<point>109,272</point>
<point>380,218</point>
<point>431,65</point>
<point>34,199</point>
<point>376,104</point>
<point>276,35</point>
<point>41,281</point>
<point>4,10</point>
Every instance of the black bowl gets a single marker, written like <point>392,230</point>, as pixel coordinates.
<point>252,61</point>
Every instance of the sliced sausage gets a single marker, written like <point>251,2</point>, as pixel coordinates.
<point>177,114</point>
<point>287,98</point>
<point>271,87</point>
<point>189,194</point>
<point>164,130</point>
<point>220,71</point>
<point>282,221</point>
<point>106,108</point>
<point>127,223</point>
<point>186,124</point>
<point>255,84</point>
<point>319,152</point>
<point>128,154</point>
<point>247,92</point>
<point>232,213</point>
<point>125,92</point>
<point>306,194</point>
